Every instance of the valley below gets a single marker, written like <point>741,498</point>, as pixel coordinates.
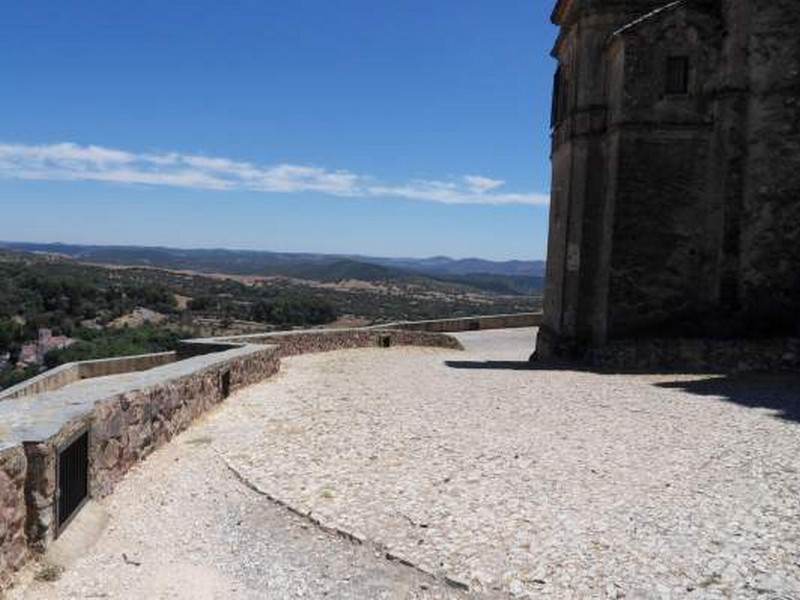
<point>64,303</point>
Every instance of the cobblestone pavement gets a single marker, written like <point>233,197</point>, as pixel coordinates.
<point>183,526</point>
<point>537,483</point>
<point>468,465</point>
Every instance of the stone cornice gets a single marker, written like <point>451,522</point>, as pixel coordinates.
<point>561,10</point>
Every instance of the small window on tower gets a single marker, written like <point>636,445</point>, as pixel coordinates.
<point>677,75</point>
<point>556,112</point>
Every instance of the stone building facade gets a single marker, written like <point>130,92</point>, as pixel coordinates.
<point>676,172</point>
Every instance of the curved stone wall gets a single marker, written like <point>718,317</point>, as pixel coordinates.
<point>130,416</point>
<point>292,343</point>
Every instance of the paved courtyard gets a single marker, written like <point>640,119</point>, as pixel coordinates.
<point>474,469</point>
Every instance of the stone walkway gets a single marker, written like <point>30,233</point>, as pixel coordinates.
<point>183,526</point>
<point>476,469</point>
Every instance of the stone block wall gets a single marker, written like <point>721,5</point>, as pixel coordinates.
<point>684,220</point>
<point>770,232</point>
<point>700,355</point>
<point>327,340</point>
<point>127,428</point>
<point>13,541</point>
<point>663,249</point>
<point>40,485</point>
<point>470,323</point>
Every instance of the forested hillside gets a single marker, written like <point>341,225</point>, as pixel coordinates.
<point>94,311</point>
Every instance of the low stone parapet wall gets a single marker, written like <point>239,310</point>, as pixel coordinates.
<point>126,364</point>
<point>70,373</point>
<point>201,347</point>
<point>46,382</point>
<point>127,426</point>
<point>477,323</point>
<point>292,343</point>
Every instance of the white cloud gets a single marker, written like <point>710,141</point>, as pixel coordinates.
<point>479,184</point>
<point>72,162</point>
<point>65,153</point>
<point>446,192</point>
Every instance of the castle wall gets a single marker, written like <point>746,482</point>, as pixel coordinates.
<point>730,148</point>
<point>666,224</point>
<point>659,257</point>
<point>576,282</point>
<point>557,238</point>
<point>675,206</point>
<point>770,235</point>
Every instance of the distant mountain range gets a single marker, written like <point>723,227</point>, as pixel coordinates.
<point>516,277</point>
<point>443,265</point>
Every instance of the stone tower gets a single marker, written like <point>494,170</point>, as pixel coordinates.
<point>675,205</point>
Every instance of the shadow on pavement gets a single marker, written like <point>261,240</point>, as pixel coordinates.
<point>512,365</point>
<point>778,392</point>
<point>547,365</point>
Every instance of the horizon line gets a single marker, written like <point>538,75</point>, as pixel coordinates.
<point>7,245</point>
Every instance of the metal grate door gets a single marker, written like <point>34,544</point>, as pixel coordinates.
<point>73,479</point>
<point>225,384</point>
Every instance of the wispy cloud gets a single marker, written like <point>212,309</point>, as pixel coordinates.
<point>480,184</point>
<point>73,162</point>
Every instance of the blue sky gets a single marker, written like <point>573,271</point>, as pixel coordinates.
<point>402,128</point>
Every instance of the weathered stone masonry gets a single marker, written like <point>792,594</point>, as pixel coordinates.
<point>13,543</point>
<point>306,342</point>
<point>128,421</point>
<point>676,189</point>
<point>509,321</point>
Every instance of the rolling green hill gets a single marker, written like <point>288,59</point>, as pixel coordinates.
<point>512,277</point>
